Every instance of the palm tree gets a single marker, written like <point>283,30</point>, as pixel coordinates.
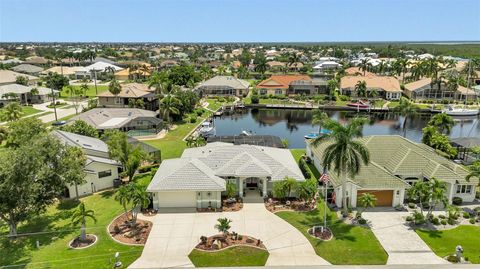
<point>332,86</point>
<point>407,109</point>
<point>190,141</point>
<point>366,200</point>
<point>474,171</point>
<point>110,69</point>
<point>123,196</point>
<point>84,88</point>
<point>223,225</point>
<point>140,199</point>
<point>364,64</point>
<point>114,87</point>
<point>344,154</point>
<point>80,216</point>
<point>168,105</point>
<point>12,112</point>
<point>319,117</point>
<point>442,122</point>
<point>361,88</point>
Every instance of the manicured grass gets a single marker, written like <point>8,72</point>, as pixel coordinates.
<point>57,233</point>
<point>236,256</point>
<point>172,145</point>
<point>143,179</point>
<point>393,104</point>
<point>341,103</point>
<point>27,110</point>
<point>297,154</point>
<point>215,105</point>
<point>351,244</point>
<point>273,101</point>
<point>443,243</point>
<point>90,92</point>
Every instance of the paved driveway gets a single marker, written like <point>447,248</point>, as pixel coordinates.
<point>401,242</point>
<point>174,235</point>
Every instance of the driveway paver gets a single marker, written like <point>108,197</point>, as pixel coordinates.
<point>174,235</point>
<point>401,242</point>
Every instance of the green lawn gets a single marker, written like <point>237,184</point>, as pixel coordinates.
<point>273,101</point>
<point>351,245</point>
<point>393,104</point>
<point>443,243</point>
<point>236,256</point>
<point>27,110</point>
<point>90,92</point>
<point>215,105</point>
<point>58,231</point>
<point>341,103</point>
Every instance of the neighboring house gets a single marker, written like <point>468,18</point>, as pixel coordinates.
<point>387,87</point>
<point>276,66</point>
<point>395,164</point>
<point>24,94</point>
<point>38,60</point>
<point>289,84</point>
<point>27,69</point>
<point>198,178</point>
<point>326,65</point>
<point>97,67</point>
<point>10,77</point>
<point>130,91</point>
<point>128,73</point>
<point>63,70</point>
<point>423,89</point>
<point>101,171</point>
<point>224,85</point>
<point>356,71</point>
<point>123,119</point>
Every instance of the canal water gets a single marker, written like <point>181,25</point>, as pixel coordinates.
<point>293,124</point>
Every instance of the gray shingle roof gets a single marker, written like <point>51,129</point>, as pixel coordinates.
<point>114,118</point>
<point>27,68</point>
<point>81,141</point>
<point>226,81</point>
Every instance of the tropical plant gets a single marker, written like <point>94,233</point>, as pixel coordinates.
<point>428,193</point>
<point>80,216</point>
<point>318,118</point>
<point>3,134</point>
<point>168,106</point>
<point>11,112</point>
<point>124,197</point>
<point>474,171</point>
<point>442,122</point>
<point>223,225</point>
<point>231,189</point>
<point>366,200</point>
<point>407,109</point>
<point>140,199</point>
<point>344,154</point>
<point>307,190</point>
<point>56,82</point>
<point>361,88</point>
<point>427,134</point>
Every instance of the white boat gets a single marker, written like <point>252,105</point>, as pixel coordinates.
<point>207,129</point>
<point>246,133</point>
<point>453,111</point>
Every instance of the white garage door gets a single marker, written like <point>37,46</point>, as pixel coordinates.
<point>177,199</point>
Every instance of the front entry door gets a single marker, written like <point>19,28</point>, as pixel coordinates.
<point>251,182</point>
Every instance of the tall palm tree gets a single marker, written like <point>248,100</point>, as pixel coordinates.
<point>474,171</point>
<point>332,86</point>
<point>114,87</point>
<point>140,199</point>
<point>168,106</point>
<point>80,216</point>
<point>361,88</point>
<point>364,65</point>
<point>318,118</point>
<point>124,197</point>
<point>442,122</point>
<point>344,154</point>
<point>12,112</point>
<point>407,109</point>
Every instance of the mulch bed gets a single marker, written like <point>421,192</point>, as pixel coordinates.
<point>232,206</point>
<point>77,243</point>
<point>219,242</point>
<point>121,230</point>
<point>274,205</point>
<point>325,235</point>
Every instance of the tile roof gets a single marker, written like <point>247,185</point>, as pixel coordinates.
<point>7,76</point>
<point>281,81</point>
<point>131,90</point>
<point>27,68</point>
<point>389,84</point>
<point>394,157</point>
<point>113,118</point>
<point>416,85</point>
<point>226,81</point>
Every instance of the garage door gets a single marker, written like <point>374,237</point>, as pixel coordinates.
<point>384,197</point>
<point>177,199</point>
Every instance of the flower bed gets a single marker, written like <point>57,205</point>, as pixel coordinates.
<point>220,241</point>
<point>121,230</point>
<point>319,233</point>
<point>80,244</point>
<point>232,205</point>
<point>275,205</point>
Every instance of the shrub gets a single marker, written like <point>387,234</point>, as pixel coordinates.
<point>304,168</point>
<point>147,168</point>
<point>435,221</point>
<point>472,221</point>
<point>442,216</point>
<point>362,221</point>
<point>255,99</point>
<point>193,120</point>
<point>343,98</point>
<point>451,221</point>
<point>466,215</point>
<point>409,218</point>
<point>443,222</point>
<point>418,218</point>
<point>153,171</point>
<point>411,205</point>
<point>457,201</point>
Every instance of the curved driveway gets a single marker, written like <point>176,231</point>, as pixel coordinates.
<point>174,235</point>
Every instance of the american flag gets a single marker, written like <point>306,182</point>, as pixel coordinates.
<point>324,178</point>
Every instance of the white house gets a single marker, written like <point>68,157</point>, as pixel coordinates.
<point>198,178</point>
<point>100,169</point>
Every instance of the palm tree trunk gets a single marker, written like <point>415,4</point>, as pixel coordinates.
<point>405,126</point>
<point>83,232</point>
<point>344,194</point>
<point>13,229</point>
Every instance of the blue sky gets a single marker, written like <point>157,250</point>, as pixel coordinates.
<point>239,20</point>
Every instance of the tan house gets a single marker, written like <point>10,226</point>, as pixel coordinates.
<point>387,87</point>
<point>130,92</point>
<point>10,77</point>
<point>281,84</point>
<point>423,89</point>
<point>224,85</point>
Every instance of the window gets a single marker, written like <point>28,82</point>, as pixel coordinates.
<point>105,173</point>
<point>464,189</point>
<point>263,92</point>
<point>278,91</point>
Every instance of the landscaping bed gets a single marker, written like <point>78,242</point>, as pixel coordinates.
<point>121,230</point>
<point>276,205</point>
<point>77,243</point>
<point>220,242</point>
<point>234,256</point>
<point>317,232</point>
<point>232,206</point>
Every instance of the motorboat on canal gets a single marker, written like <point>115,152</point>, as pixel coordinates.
<point>207,129</point>
<point>314,135</point>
